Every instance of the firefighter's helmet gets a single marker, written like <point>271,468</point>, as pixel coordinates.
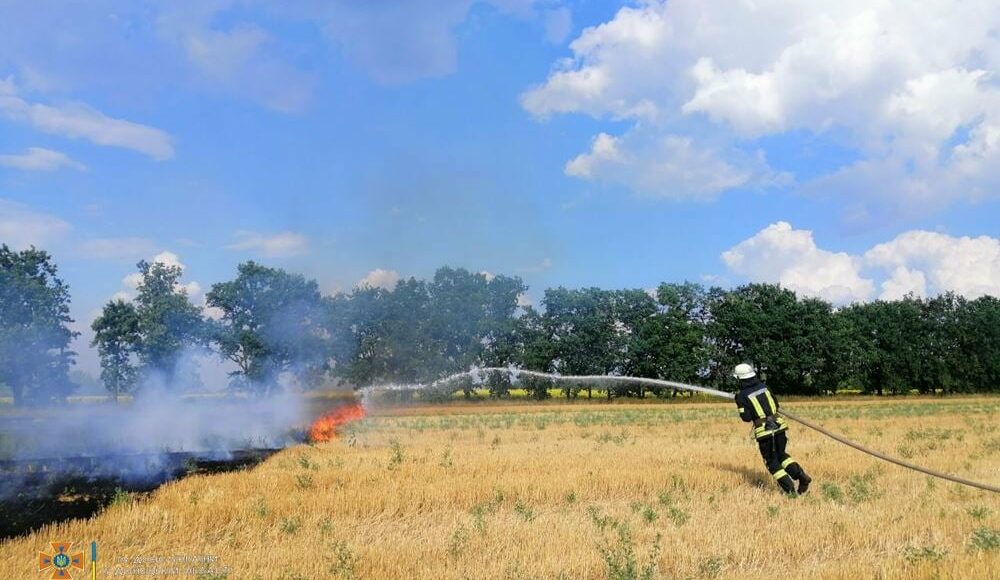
<point>744,371</point>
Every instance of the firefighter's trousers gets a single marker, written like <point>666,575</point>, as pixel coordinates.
<point>781,466</point>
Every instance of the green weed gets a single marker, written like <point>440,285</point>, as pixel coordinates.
<point>304,481</point>
<point>978,512</point>
<point>524,511</point>
<point>913,554</point>
<point>985,539</point>
<point>459,539</point>
<point>291,525</point>
<point>832,492</point>
<point>621,562</point>
<point>344,561</point>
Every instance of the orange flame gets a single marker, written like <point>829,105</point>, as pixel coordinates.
<point>325,428</point>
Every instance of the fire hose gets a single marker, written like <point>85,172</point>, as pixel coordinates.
<point>514,372</point>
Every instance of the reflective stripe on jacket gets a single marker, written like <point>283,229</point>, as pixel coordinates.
<point>758,406</point>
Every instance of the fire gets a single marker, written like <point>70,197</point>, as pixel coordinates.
<point>325,428</point>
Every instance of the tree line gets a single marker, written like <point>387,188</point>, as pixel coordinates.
<point>277,327</point>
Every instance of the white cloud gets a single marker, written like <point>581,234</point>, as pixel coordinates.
<point>790,257</point>
<point>664,166</point>
<point>116,248</point>
<point>379,278</point>
<point>117,296</point>
<point>77,120</point>
<point>131,282</point>
<point>968,266</point>
<point>919,262</point>
<point>913,92</point>
<point>21,227</point>
<point>40,159</point>
<point>271,246</point>
<point>488,275</point>
<point>902,282</point>
<point>523,300</point>
<point>168,259</point>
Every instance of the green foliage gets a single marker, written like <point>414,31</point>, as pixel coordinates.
<point>34,327</point>
<point>459,541</point>
<point>524,511</point>
<point>397,454</point>
<point>985,539</point>
<point>121,497</point>
<point>344,562</point>
<point>915,555</point>
<point>168,323</point>
<point>272,322</point>
<point>291,525</point>
<point>422,330</point>
<point>116,336</point>
<point>621,561</point>
<point>978,512</point>
<point>832,492</point>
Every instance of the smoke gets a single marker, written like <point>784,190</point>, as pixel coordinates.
<point>143,440</point>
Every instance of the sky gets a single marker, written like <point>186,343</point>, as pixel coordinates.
<point>847,150</point>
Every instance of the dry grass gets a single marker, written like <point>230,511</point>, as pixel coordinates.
<point>580,492</point>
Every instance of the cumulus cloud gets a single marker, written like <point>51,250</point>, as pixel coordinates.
<point>915,262</point>
<point>791,258</point>
<point>271,246</point>
<point>40,159</point>
<point>130,283</point>
<point>21,227</point>
<point>925,114</point>
<point>665,166</point>
<point>968,266</point>
<point>77,120</point>
<point>379,278</point>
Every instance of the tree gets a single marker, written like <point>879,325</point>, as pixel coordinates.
<point>168,322</point>
<point>887,344</point>
<point>34,327</point>
<point>272,322</point>
<point>580,326</point>
<point>792,343</point>
<point>420,331</point>
<point>117,338</point>
<point>671,343</point>
<point>977,345</point>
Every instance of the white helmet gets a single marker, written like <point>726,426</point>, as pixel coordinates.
<point>744,371</point>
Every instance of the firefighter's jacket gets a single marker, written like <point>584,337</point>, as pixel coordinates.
<point>758,406</point>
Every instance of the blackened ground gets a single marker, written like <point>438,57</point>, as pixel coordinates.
<point>34,493</point>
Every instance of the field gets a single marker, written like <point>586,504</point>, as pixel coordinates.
<point>571,491</point>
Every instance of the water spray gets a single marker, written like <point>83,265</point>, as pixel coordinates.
<point>476,374</point>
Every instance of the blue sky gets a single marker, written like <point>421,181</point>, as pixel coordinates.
<point>828,148</point>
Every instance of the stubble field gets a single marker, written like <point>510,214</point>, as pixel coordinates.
<point>573,491</point>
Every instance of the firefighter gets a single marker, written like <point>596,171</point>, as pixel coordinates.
<point>758,406</point>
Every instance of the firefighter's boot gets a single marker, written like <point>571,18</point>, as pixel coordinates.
<point>785,482</point>
<point>795,470</point>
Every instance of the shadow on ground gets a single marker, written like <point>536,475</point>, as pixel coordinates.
<point>752,476</point>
